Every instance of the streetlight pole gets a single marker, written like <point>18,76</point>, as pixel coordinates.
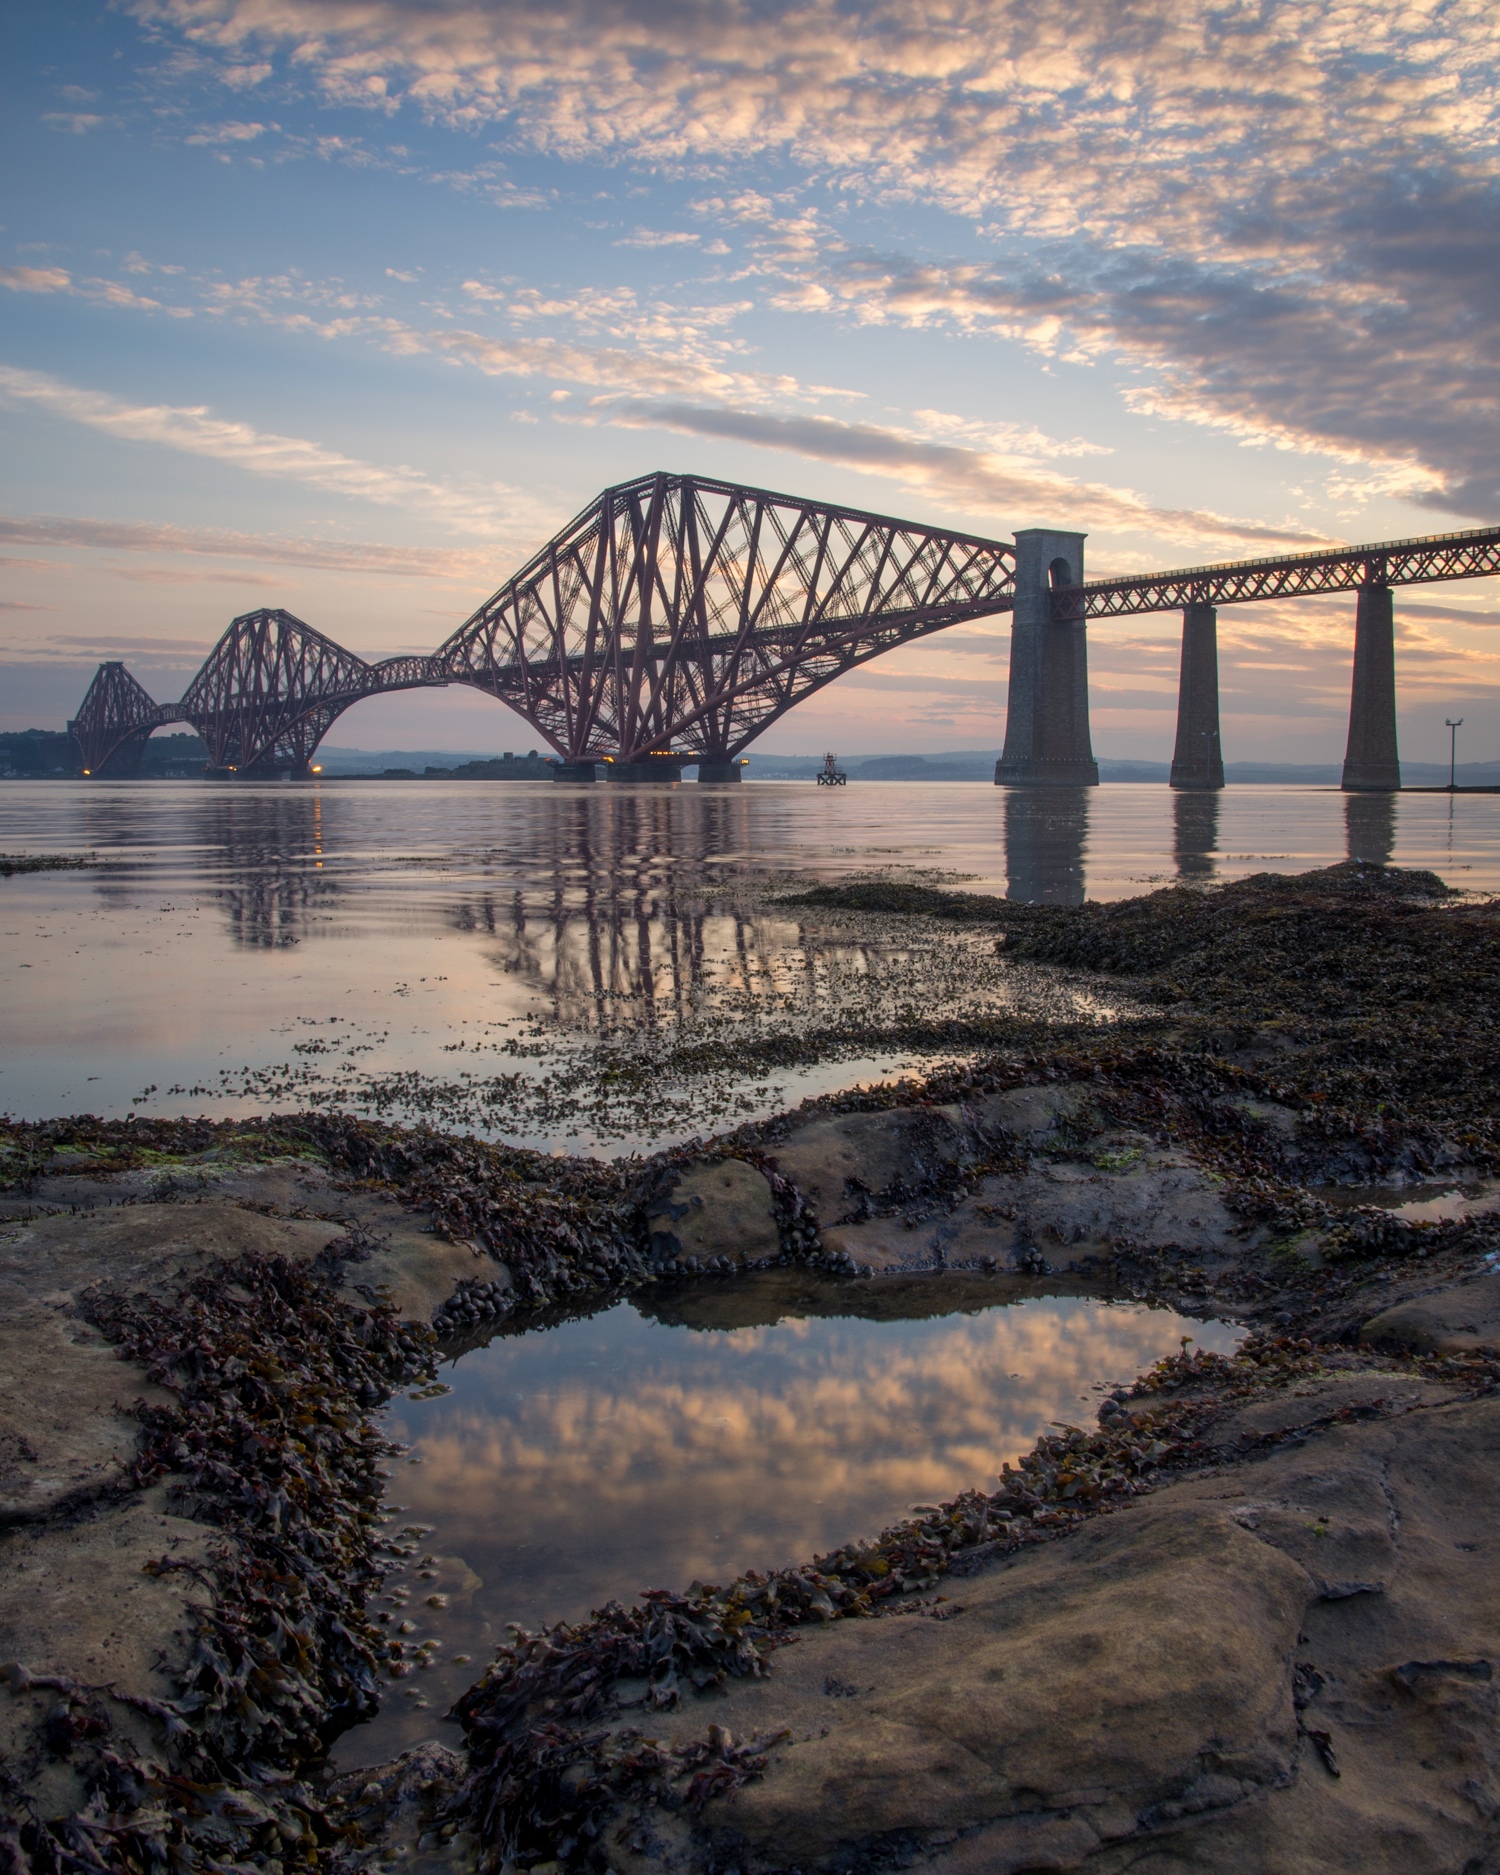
<point>1454,725</point>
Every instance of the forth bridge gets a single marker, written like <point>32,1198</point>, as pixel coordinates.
<point>678,617</point>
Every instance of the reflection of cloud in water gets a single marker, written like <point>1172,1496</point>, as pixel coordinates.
<point>683,1453</point>
<point>604,1456</point>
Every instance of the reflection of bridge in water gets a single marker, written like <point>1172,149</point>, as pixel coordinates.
<point>653,917</point>
<point>678,617</point>
<point>620,922</point>
<point>1047,834</point>
<point>635,907</point>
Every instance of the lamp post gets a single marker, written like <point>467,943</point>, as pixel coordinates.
<point>1454,725</point>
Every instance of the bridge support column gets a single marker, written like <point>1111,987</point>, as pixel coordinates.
<point>652,768</point>
<point>1371,763</point>
<point>716,772</point>
<point>1047,716</point>
<point>575,771</point>
<point>1198,759</point>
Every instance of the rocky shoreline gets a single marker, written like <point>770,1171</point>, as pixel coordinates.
<point>1244,1621</point>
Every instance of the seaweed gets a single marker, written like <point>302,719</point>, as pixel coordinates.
<point>45,862</point>
<point>268,1439</point>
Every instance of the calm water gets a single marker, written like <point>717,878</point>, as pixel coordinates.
<point>739,1426</point>
<point>464,951</point>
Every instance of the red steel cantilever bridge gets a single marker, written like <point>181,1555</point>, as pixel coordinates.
<point>677,617</point>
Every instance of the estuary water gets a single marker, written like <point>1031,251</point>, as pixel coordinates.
<point>523,958</point>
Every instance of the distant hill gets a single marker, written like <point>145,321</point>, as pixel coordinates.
<point>37,754</point>
<point>340,761</point>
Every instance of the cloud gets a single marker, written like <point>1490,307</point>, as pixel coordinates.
<point>195,576</point>
<point>659,237</point>
<point>230,131</point>
<point>36,279</point>
<point>1288,214</point>
<point>336,556</point>
<point>1008,493</point>
<point>96,646</point>
<point>611,368</point>
<point>78,122</point>
<point>196,431</point>
<point>49,649</point>
<point>106,292</point>
<point>1458,615</point>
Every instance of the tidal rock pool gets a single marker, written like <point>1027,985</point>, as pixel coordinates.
<point>698,1433</point>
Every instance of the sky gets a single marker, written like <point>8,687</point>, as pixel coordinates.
<point>347,306</point>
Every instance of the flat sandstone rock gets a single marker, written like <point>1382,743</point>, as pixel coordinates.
<point>1289,1668</point>
<point>1069,1213</point>
<point>1455,1321</point>
<point>80,1601</point>
<point>834,1162</point>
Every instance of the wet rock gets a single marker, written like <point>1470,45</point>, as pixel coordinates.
<point>1028,1114</point>
<point>1072,1210</point>
<point>1063,1215</point>
<point>150,1244</point>
<point>887,1246</point>
<point>85,1604</point>
<point>145,1244</point>
<point>844,1163</point>
<point>718,1209</point>
<point>66,1433</point>
<point>1137,1674</point>
<point>1454,1321</point>
<point>1279,1122</point>
<point>1291,1666</point>
<point>1371,1393</point>
<point>402,1804</point>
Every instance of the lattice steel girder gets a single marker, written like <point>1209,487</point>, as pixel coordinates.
<point>272,687</point>
<point>678,611</point>
<point>264,685</point>
<point>115,714</point>
<point>1470,555</point>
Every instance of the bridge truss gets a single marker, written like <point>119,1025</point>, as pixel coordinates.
<point>673,613</point>
<point>1471,555</point>
<point>678,613</point>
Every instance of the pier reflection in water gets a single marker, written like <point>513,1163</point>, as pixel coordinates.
<point>1370,825</point>
<point>708,1431</point>
<point>1046,837</point>
<point>1195,834</point>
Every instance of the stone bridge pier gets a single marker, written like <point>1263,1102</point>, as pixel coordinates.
<point>1371,763</point>
<point>1047,715</point>
<point>1198,759</point>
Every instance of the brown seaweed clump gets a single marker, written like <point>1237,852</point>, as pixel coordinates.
<point>269,1440</point>
<point>45,862</point>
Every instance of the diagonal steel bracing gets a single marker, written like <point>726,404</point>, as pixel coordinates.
<point>114,722</point>
<point>1474,554</point>
<point>678,612</point>
<point>681,612</point>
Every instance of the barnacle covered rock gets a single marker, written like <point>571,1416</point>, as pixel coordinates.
<point>722,1208</point>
